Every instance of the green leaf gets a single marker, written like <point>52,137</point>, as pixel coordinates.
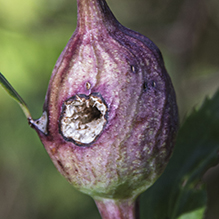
<point>198,214</point>
<point>13,93</point>
<point>179,190</point>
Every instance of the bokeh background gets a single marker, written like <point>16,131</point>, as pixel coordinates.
<point>32,35</point>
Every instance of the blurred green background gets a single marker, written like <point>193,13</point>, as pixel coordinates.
<point>32,35</point>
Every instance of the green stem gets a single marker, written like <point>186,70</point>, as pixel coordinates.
<point>13,93</point>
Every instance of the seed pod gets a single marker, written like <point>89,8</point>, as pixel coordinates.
<point>110,115</point>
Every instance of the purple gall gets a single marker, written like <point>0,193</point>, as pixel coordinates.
<point>110,115</point>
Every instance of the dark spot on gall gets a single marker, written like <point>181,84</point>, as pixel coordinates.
<point>61,165</point>
<point>53,151</point>
<point>145,86</point>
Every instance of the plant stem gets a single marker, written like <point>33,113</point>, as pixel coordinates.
<point>118,209</point>
<point>13,93</point>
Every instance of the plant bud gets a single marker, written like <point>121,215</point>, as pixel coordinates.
<point>110,115</point>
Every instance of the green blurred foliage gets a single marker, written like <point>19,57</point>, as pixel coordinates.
<point>32,35</point>
<point>193,215</point>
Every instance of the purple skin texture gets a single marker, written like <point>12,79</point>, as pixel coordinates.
<point>126,71</point>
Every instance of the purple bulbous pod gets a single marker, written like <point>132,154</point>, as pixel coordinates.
<point>110,115</point>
